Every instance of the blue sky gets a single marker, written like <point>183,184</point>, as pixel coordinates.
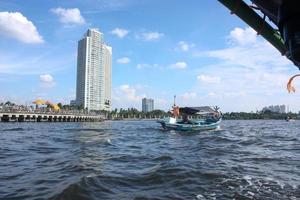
<point>196,50</point>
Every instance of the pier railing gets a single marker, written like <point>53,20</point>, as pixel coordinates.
<point>39,116</point>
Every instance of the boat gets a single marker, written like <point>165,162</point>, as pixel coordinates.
<point>289,119</point>
<point>201,118</point>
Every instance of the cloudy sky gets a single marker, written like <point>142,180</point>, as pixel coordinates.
<point>196,50</point>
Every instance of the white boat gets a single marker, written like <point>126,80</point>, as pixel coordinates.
<point>210,120</point>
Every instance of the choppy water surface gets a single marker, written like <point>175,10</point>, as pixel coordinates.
<point>137,160</point>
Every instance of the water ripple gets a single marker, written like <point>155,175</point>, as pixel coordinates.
<point>138,160</point>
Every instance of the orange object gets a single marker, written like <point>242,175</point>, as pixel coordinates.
<point>39,102</point>
<point>175,111</point>
<point>48,103</point>
<point>55,107</point>
<point>289,85</point>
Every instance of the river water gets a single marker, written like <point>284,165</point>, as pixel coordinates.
<point>138,160</point>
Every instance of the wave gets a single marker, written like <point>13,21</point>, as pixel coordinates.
<point>163,158</point>
<point>15,129</point>
<point>249,187</point>
<point>133,160</point>
<point>86,129</point>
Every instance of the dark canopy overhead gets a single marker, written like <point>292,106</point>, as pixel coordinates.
<point>196,110</point>
<point>284,14</point>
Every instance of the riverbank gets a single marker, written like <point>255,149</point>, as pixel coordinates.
<point>258,115</point>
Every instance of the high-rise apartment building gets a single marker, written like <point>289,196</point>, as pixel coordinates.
<point>94,66</point>
<point>147,105</point>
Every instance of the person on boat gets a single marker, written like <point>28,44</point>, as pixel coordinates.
<point>216,115</point>
<point>175,111</point>
<point>213,117</point>
<point>185,119</point>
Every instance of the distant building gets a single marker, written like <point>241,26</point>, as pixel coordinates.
<point>147,105</point>
<point>276,108</point>
<point>93,89</point>
<point>73,103</point>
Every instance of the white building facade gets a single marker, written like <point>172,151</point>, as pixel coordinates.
<point>147,105</point>
<point>94,72</point>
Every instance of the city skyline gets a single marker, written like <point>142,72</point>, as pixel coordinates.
<point>220,61</point>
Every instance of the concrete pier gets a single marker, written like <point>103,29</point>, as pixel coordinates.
<point>47,117</point>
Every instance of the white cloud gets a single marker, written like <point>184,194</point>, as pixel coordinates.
<point>123,60</point>
<point>184,46</point>
<point>252,72</point>
<point>208,79</point>
<point>15,25</point>
<point>212,94</point>
<point>252,56</point>
<point>148,66</point>
<point>47,81</point>
<point>130,93</point>
<point>189,95</point>
<point>69,16</point>
<point>188,99</point>
<point>160,103</point>
<point>178,65</point>
<point>243,36</point>
<point>149,36</point>
<point>119,32</point>
<point>125,96</point>
<point>130,96</point>
<point>141,66</point>
<point>46,78</point>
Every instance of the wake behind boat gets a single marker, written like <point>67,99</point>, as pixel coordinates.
<point>192,119</point>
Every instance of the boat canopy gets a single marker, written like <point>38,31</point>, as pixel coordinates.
<point>196,110</point>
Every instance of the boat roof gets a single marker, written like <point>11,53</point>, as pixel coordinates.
<point>196,110</point>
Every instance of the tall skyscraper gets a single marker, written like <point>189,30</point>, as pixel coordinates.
<point>93,87</point>
<point>147,105</point>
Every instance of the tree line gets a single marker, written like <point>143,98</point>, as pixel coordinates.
<point>135,113</point>
<point>258,115</point>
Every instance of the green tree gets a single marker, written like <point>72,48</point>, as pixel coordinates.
<point>8,103</point>
<point>60,105</point>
